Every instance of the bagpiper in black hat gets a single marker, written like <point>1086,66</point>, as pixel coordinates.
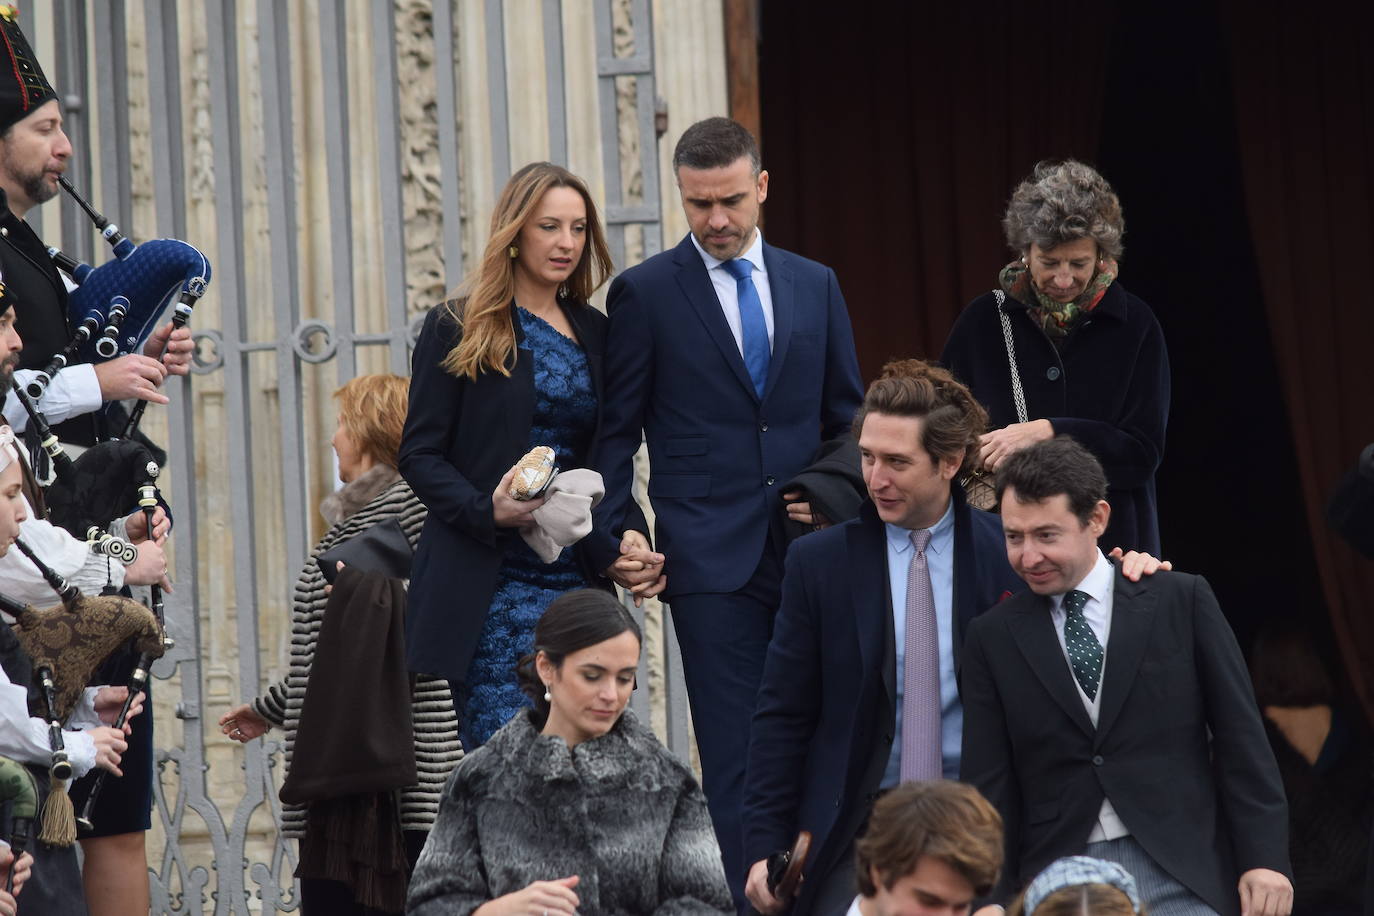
<point>23,87</point>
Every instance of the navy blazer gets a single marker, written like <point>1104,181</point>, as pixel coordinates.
<point>823,729</point>
<point>460,438</point>
<point>719,452</point>
<point>1179,747</point>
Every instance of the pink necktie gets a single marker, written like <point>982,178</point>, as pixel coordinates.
<point>921,753</point>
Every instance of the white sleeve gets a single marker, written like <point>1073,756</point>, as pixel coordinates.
<point>25,737</point>
<point>56,547</point>
<point>73,391</point>
<point>83,714</point>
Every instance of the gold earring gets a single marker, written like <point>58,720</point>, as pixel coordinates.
<point>514,252</point>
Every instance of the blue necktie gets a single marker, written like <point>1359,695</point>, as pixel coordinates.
<point>753,329</point>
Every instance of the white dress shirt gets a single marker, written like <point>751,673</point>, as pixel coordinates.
<point>728,293</point>
<point>73,391</point>
<point>1097,584</point>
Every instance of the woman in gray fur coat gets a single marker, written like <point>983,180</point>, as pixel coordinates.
<point>573,807</point>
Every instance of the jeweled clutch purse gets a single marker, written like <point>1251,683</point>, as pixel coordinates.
<point>533,473</point>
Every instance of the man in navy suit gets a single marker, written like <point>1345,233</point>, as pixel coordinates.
<point>735,360</point>
<point>849,705</point>
<point>1116,719</point>
<point>828,732</point>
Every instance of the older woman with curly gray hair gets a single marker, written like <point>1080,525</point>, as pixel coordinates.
<point>1060,346</point>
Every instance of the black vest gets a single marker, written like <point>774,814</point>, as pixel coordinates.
<point>40,307</point>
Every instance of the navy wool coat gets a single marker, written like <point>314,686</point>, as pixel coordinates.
<point>460,438</point>
<point>1108,387</point>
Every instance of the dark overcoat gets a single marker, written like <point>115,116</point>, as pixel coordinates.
<point>460,438</point>
<point>1108,386</point>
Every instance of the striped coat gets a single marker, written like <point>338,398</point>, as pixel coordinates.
<point>376,496</point>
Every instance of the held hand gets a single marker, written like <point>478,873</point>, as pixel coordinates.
<point>638,570</point>
<point>996,446</point>
<point>799,511</point>
<point>131,376</point>
<point>136,526</point>
<point>110,700</point>
<point>109,745</point>
<point>1264,892</point>
<point>512,513</point>
<point>756,889</point>
<point>1136,564</point>
<point>538,899</point>
<point>243,724</point>
<point>19,871</point>
<point>174,348</point>
<point>149,568</point>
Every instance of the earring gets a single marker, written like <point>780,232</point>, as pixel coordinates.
<point>563,291</point>
<point>514,252</point>
<point>548,694</point>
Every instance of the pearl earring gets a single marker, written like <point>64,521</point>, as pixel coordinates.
<point>548,694</point>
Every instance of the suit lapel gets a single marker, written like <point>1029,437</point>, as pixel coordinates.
<point>783,291</point>
<point>1033,631</point>
<point>873,599</point>
<point>1133,616</point>
<point>696,286</point>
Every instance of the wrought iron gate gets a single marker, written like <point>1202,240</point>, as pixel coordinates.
<point>248,129</point>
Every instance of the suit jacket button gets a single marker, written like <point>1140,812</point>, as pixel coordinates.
<point>1052,373</point>
<point>770,480</point>
<point>1097,760</point>
<point>763,426</point>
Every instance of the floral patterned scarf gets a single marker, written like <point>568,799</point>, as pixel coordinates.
<point>1057,318</point>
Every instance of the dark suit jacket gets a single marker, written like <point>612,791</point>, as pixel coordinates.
<point>823,729</point>
<point>1207,809</point>
<point>719,452</point>
<point>460,438</point>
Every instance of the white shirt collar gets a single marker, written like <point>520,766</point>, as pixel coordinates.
<point>754,254</point>
<point>1097,584</point>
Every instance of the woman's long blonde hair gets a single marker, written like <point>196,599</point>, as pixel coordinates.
<point>482,305</point>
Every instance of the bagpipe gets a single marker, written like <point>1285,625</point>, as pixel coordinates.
<point>102,485</point>
<point>117,305</point>
<point>66,645</point>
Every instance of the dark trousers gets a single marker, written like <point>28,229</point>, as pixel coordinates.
<point>724,640</point>
<point>322,897</point>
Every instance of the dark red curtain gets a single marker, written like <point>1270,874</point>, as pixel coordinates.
<point>894,134</point>
<point>1304,94</point>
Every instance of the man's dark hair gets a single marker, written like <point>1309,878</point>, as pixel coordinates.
<point>714,144</point>
<point>953,418</point>
<point>946,820</point>
<point>1046,469</point>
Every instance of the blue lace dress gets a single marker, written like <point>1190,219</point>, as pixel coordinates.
<point>564,420</point>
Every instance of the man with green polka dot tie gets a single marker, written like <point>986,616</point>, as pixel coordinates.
<point>1116,719</point>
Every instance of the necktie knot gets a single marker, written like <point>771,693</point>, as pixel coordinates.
<point>738,268</point>
<point>1075,601</point>
<point>920,539</point>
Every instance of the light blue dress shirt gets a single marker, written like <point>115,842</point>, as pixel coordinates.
<point>940,562</point>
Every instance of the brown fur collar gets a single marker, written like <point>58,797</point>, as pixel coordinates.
<point>351,497</point>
